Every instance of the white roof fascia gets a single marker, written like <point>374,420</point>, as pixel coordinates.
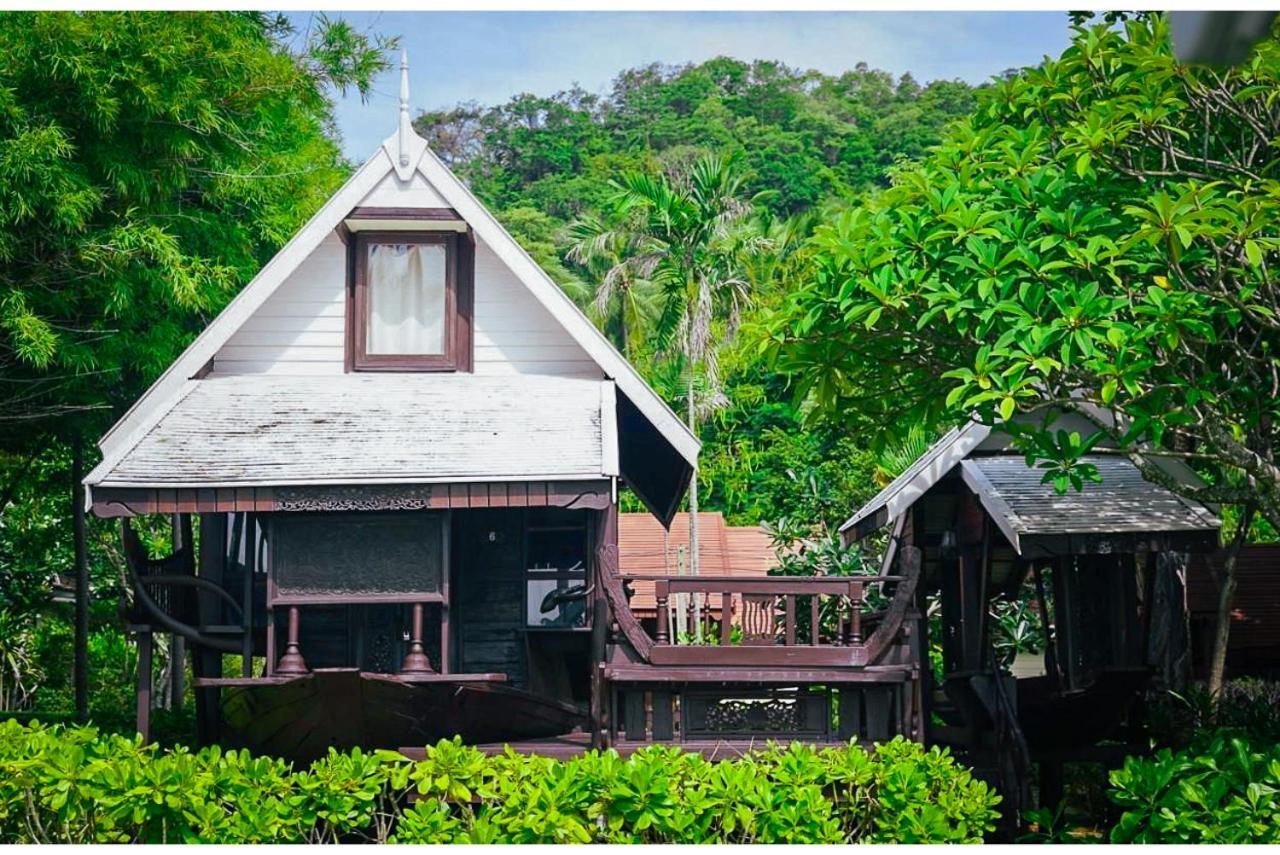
<point>920,476</point>
<point>997,508</point>
<point>571,318</point>
<point>249,300</point>
<point>148,419</point>
<point>609,428</point>
<point>532,478</point>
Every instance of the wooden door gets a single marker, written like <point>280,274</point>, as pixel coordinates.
<point>488,592</point>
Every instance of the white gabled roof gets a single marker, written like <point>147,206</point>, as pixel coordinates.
<point>402,154</point>
<point>272,430</point>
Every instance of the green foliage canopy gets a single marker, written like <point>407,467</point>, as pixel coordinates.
<point>1100,237</point>
<point>802,135</point>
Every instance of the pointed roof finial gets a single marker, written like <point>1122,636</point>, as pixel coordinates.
<point>406,127</point>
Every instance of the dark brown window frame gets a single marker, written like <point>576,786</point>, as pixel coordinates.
<point>459,289</point>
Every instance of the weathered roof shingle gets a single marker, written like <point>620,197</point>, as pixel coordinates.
<point>367,429</point>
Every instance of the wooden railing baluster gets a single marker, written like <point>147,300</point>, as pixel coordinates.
<point>791,619</point>
<point>814,623</point>
<point>855,613</point>
<point>660,595</point>
<point>726,617</point>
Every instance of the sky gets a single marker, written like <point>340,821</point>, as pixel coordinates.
<point>490,56</point>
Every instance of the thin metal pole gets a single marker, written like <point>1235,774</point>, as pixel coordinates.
<point>81,668</point>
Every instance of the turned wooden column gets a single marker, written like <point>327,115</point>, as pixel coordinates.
<point>292,662</point>
<point>855,614</point>
<point>660,600</point>
<point>415,660</point>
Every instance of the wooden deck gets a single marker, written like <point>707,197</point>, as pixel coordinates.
<point>576,744</point>
<point>302,717</point>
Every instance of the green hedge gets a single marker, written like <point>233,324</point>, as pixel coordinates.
<point>1225,790</point>
<point>75,785</point>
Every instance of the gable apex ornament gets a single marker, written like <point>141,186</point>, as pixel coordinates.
<point>405,147</point>
<point>405,127</point>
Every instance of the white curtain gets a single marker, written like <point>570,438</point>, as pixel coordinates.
<point>406,285</point>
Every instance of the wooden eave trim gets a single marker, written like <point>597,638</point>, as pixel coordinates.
<point>109,502</point>
<point>391,213</point>
<point>609,429</point>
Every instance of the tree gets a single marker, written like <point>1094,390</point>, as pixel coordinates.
<point>624,305</point>
<point>686,234</point>
<point>152,162</point>
<point>1099,238</point>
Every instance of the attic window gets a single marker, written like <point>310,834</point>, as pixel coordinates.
<point>405,303</point>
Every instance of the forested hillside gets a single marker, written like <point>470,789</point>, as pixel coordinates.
<point>550,165</point>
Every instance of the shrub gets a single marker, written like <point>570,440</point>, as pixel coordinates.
<point>77,785</point>
<point>1247,707</point>
<point>1227,791</point>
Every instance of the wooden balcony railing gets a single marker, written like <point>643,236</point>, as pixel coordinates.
<point>771,621</point>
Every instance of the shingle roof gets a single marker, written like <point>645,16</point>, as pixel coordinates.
<point>367,428</point>
<point>1124,502</point>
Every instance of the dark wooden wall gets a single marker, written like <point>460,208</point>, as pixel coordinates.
<point>488,592</point>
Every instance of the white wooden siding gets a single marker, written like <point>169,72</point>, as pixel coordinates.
<point>300,330</point>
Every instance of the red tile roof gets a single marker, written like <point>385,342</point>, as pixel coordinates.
<point>723,550</point>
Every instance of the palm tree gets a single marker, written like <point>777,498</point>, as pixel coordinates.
<point>624,305</point>
<point>688,235</point>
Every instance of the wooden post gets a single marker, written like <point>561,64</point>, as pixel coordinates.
<point>415,660</point>
<point>172,693</point>
<point>177,667</point>
<point>444,635</point>
<point>81,666</point>
<point>791,619</point>
<point>660,595</point>
<point>726,617</point>
<point>292,662</point>
<point>144,684</point>
<point>813,620</point>
<point>269,666</point>
<point>205,661</point>
<point>249,567</point>
<point>855,613</point>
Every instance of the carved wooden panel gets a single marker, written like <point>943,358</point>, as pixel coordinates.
<point>739,712</point>
<point>357,557</point>
<point>759,613</point>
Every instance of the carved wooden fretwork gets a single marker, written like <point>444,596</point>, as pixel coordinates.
<point>759,619</point>
<point>387,497</point>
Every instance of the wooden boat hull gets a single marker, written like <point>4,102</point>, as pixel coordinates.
<point>300,718</point>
